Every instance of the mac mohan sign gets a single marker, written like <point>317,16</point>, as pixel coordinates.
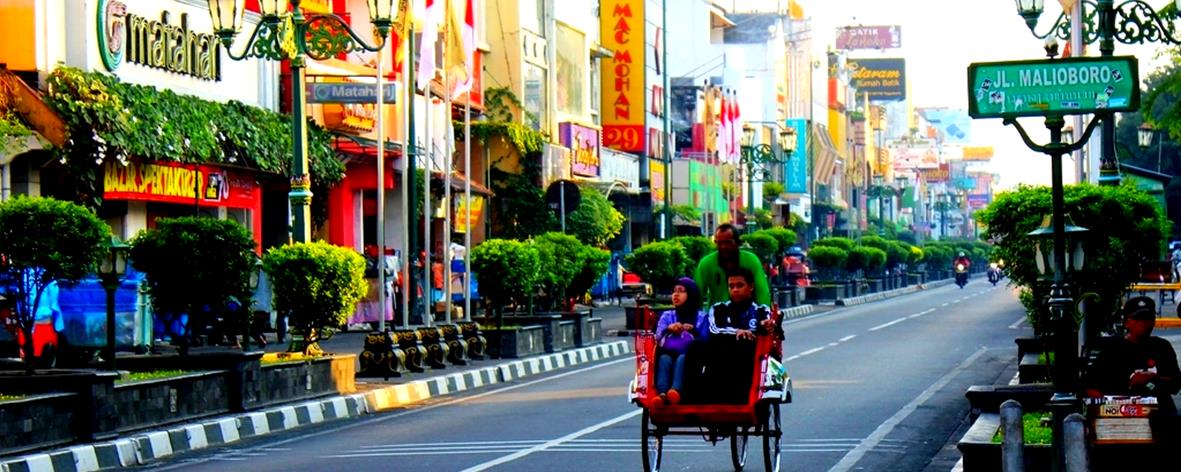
<point>1071,86</point>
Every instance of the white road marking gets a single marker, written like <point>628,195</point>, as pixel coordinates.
<point>886,325</point>
<point>846,338</point>
<point>885,428</point>
<point>832,344</point>
<point>549,444</point>
<point>1017,324</point>
<point>921,313</point>
<point>945,304</point>
<point>810,351</point>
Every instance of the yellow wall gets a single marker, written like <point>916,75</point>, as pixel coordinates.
<point>18,35</point>
<point>502,67</point>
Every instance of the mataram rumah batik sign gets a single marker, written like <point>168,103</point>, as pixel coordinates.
<point>882,79</point>
<point>1071,86</point>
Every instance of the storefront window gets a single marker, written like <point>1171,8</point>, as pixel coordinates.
<point>533,15</point>
<point>535,95</point>
<point>571,70</point>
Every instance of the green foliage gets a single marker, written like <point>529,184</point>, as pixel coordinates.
<point>915,255</point>
<point>938,257</point>
<point>43,240</point>
<point>763,245</point>
<point>183,253</point>
<point>317,285</point>
<point>874,241</point>
<point>596,221</point>
<point>688,213</point>
<point>11,127</point>
<point>828,259</point>
<point>508,270</point>
<point>1034,429</point>
<point>785,238</point>
<point>151,375</point>
<point>844,244</point>
<point>1126,230</point>
<point>696,248</point>
<point>658,263</point>
<point>897,253</point>
<point>500,103</point>
<point>561,260</point>
<point>867,258</point>
<point>526,140</point>
<point>771,191</point>
<point>763,218</point>
<point>519,208</point>
<point>109,119</point>
<point>595,263</point>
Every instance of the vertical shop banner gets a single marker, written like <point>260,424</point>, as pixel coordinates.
<point>584,148</point>
<point>656,173</point>
<point>797,163</point>
<point>477,205</point>
<point>621,30</point>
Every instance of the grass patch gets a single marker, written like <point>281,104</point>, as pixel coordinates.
<point>1045,358</point>
<point>151,375</point>
<point>4,398</point>
<point>1035,431</point>
<point>287,357</point>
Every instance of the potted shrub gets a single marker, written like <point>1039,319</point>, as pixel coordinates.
<point>827,261</point>
<point>43,241</point>
<point>763,245</point>
<point>696,248</point>
<point>658,263</point>
<point>587,328</point>
<point>508,271</point>
<point>182,254</point>
<point>317,285</point>
<point>914,263</point>
<point>561,259</point>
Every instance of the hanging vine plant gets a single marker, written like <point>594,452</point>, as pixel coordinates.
<point>108,119</point>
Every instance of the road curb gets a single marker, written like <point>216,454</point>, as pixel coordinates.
<point>873,297</point>
<point>796,312</point>
<point>147,447</point>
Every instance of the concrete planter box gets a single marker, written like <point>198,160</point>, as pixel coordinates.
<point>875,284</point>
<point>161,402</point>
<point>515,342</point>
<point>300,380</point>
<point>37,422</point>
<point>559,334</point>
<point>988,398</point>
<point>824,292</point>
<point>584,333</point>
<point>915,278</point>
<point>981,454</point>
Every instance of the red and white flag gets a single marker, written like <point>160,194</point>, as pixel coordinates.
<point>723,130</point>
<point>430,35</point>
<point>736,125</point>
<point>461,57</point>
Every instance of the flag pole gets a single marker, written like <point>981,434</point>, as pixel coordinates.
<point>467,174</point>
<point>408,155</point>
<point>450,144</point>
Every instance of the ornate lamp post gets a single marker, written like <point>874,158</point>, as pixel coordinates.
<point>754,156</point>
<point>282,36</point>
<point>252,283</point>
<point>1131,22</point>
<point>110,273</point>
<point>1144,135</point>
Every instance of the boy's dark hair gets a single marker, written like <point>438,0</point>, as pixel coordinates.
<point>743,272</point>
<point>733,232</point>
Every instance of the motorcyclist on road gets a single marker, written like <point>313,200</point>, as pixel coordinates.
<point>962,259</point>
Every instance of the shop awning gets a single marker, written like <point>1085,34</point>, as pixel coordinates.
<point>717,18</point>
<point>824,154</point>
<point>350,146</point>
<point>457,183</point>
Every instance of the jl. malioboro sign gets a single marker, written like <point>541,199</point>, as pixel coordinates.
<point>1057,86</point>
<point>160,44</point>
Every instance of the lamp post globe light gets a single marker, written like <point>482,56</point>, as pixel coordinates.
<point>755,156</point>
<point>1131,22</point>
<point>110,273</point>
<point>317,36</point>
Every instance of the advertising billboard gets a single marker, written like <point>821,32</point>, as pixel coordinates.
<point>621,30</point>
<point>869,37</point>
<point>881,79</point>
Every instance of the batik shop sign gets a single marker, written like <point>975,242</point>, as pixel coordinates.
<point>584,148</point>
<point>179,183</point>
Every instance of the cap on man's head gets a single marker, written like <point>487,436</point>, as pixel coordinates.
<point>1139,308</point>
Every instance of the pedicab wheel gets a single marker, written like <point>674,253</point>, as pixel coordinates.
<point>771,437</point>
<point>738,448</point>
<point>652,443</point>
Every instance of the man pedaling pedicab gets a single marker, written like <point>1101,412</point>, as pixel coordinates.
<point>728,354</point>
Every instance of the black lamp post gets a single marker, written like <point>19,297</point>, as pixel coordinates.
<point>110,273</point>
<point>255,274</point>
<point>319,37</point>
<point>754,156</point>
<point>1131,22</point>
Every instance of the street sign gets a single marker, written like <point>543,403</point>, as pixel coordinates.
<point>1072,86</point>
<point>563,190</point>
<point>349,93</point>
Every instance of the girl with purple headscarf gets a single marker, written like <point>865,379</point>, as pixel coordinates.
<point>676,330</point>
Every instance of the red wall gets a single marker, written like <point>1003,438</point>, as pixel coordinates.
<point>342,199</point>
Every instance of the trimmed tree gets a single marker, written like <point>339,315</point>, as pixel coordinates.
<point>596,221</point>
<point>508,271</point>
<point>828,259</point>
<point>1127,229</point>
<point>763,245</point>
<point>845,244</point>
<point>317,285</point>
<point>43,240</point>
<point>659,263</point>
<point>696,247</point>
<point>595,263</point>
<point>561,258</point>
<point>182,254</point>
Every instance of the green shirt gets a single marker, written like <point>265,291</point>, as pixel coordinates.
<point>711,279</point>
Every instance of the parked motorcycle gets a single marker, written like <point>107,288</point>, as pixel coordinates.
<point>994,273</point>
<point>961,275</point>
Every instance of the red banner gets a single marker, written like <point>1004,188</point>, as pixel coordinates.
<point>179,183</point>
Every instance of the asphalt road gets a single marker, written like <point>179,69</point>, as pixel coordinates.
<point>878,387</point>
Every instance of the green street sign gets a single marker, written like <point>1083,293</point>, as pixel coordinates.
<point>1072,86</point>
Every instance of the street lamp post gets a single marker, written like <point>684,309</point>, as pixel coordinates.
<point>754,156</point>
<point>110,273</point>
<point>1131,22</point>
<point>1144,135</point>
<point>1065,373</point>
<point>296,38</point>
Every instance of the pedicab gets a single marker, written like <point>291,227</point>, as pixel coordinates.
<point>714,422</point>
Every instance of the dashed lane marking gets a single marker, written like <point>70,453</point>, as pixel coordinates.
<point>886,325</point>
